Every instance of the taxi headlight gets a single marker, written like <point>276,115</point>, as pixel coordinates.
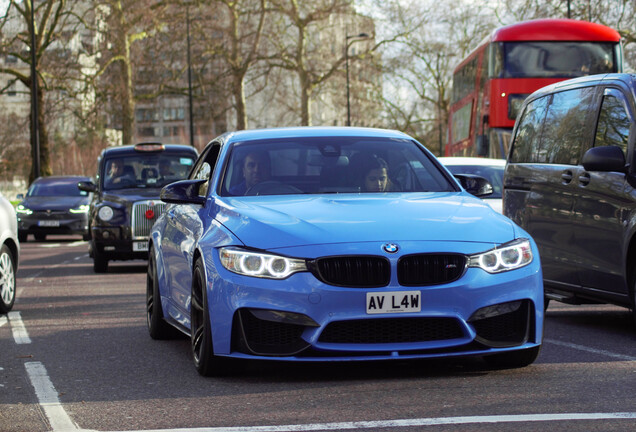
<point>81,209</point>
<point>256,264</point>
<point>105,213</point>
<point>509,256</point>
<point>20,209</point>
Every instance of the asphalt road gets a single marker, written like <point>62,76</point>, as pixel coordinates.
<point>75,355</point>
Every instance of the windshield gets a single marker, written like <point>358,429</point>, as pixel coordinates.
<point>557,59</point>
<point>318,165</point>
<point>56,188</point>
<point>148,170</point>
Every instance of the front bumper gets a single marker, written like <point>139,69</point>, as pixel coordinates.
<point>478,314</point>
<point>53,223</point>
<point>117,243</point>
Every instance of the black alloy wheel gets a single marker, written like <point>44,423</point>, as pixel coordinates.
<point>157,326</point>
<point>633,296</point>
<point>206,363</point>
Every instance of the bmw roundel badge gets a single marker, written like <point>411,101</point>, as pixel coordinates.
<point>390,248</point>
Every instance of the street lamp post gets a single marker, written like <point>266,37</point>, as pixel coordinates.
<point>354,38</point>
<point>191,124</point>
<point>35,136</point>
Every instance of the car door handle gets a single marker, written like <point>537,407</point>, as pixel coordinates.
<point>566,176</point>
<point>584,179</point>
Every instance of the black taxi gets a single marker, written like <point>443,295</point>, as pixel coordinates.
<point>126,201</point>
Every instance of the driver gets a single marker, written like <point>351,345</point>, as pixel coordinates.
<point>117,175</point>
<point>256,169</point>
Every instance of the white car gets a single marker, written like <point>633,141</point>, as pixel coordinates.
<point>491,169</point>
<point>9,254</point>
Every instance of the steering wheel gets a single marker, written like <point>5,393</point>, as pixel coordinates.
<point>271,187</point>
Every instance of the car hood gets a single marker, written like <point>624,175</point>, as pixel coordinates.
<point>124,196</point>
<point>54,202</point>
<point>287,221</point>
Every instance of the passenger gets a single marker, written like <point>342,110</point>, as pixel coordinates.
<point>372,173</point>
<point>165,173</point>
<point>256,169</point>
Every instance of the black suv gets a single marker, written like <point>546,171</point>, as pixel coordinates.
<point>570,182</point>
<point>126,200</point>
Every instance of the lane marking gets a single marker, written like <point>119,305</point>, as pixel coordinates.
<point>3,320</point>
<point>591,350</point>
<point>55,245</point>
<point>37,275</point>
<point>20,334</point>
<point>522,418</point>
<point>47,397</point>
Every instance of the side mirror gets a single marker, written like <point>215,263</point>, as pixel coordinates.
<point>87,186</point>
<point>183,192</point>
<point>475,185</point>
<point>605,159</point>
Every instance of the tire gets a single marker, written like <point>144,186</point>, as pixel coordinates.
<point>22,237</point>
<point>633,295</point>
<point>205,362</point>
<point>100,263</point>
<point>158,328</point>
<point>7,279</point>
<point>40,237</point>
<point>513,359</point>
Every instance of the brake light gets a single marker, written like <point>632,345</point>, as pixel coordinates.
<point>149,147</point>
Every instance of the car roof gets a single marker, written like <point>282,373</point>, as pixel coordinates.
<point>588,80</point>
<point>54,179</point>
<point>311,131</point>
<point>472,161</point>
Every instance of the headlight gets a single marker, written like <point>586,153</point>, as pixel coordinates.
<point>105,213</point>
<point>261,265</point>
<point>81,209</point>
<point>509,256</point>
<point>23,210</point>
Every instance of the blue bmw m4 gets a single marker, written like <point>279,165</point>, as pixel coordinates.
<point>339,244</point>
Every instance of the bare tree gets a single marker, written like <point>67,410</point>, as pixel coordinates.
<point>55,26</point>
<point>296,48</point>
<point>126,23</point>
<point>241,23</point>
<point>419,66</point>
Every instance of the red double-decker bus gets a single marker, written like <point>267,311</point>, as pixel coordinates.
<point>490,84</point>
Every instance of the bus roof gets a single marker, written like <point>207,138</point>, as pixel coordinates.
<point>548,29</point>
<point>555,30</point>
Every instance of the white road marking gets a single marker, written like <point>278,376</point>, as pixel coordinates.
<point>590,350</point>
<point>47,397</point>
<point>20,334</point>
<point>54,245</point>
<point>523,418</point>
<point>3,320</point>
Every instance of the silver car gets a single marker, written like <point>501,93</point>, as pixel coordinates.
<point>9,254</point>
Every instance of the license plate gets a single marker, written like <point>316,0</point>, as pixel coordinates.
<point>394,302</point>
<point>140,246</point>
<point>49,223</point>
